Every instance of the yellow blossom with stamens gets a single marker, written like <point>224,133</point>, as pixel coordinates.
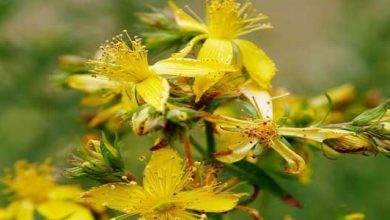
<point>168,192</point>
<point>226,21</point>
<point>34,189</point>
<point>123,65</point>
<point>240,136</point>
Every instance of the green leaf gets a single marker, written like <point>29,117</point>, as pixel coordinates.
<point>254,175</point>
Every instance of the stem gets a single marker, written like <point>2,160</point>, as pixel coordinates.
<point>215,217</point>
<point>187,149</point>
<point>255,194</point>
<point>210,140</point>
<point>198,146</point>
<point>251,211</point>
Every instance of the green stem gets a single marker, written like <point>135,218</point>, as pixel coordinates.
<point>215,217</point>
<point>210,140</point>
<point>198,147</point>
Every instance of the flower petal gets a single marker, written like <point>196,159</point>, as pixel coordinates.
<point>315,134</point>
<point>96,99</point>
<point>155,91</point>
<point>208,201</point>
<point>65,192</point>
<point>165,173</point>
<point>189,67</point>
<point>295,163</point>
<point>128,198</point>
<point>64,210</point>
<point>105,115</point>
<point>189,47</point>
<point>90,82</point>
<point>259,66</point>
<point>204,83</point>
<point>260,99</point>
<point>174,213</point>
<point>236,147</point>
<point>185,21</point>
<point>23,210</point>
<point>219,50</point>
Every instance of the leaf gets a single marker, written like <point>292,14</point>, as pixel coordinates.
<point>254,175</point>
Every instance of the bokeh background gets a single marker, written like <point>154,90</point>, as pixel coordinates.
<point>315,44</point>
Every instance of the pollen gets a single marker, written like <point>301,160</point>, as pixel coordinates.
<point>265,132</point>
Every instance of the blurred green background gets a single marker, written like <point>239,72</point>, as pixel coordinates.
<point>315,44</point>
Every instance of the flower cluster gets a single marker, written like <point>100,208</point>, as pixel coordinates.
<point>220,83</point>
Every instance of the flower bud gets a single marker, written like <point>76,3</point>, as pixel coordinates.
<point>97,159</point>
<point>146,120</point>
<point>350,144</point>
<point>381,128</point>
<point>180,115</point>
<point>372,115</point>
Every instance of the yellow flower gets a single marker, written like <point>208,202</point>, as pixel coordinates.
<point>34,189</point>
<point>128,68</point>
<point>168,192</point>
<point>240,136</point>
<point>227,21</point>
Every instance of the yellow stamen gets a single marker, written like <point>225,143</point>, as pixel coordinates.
<point>121,62</point>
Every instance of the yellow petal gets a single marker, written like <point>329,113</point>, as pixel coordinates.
<point>128,98</point>
<point>259,66</point>
<point>208,201</point>
<point>204,83</point>
<point>123,197</point>
<point>64,210</point>
<point>174,213</point>
<point>189,67</point>
<point>65,192</point>
<point>237,147</point>
<point>93,100</point>
<point>105,115</point>
<point>219,50</point>
<point>233,146</point>
<point>90,82</point>
<point>155,91</point>
<point>10,211</point>
<point>260,99</point>
<point>185,21</point>
<point>24,210</point>
<point>295,163</point>
<point>165,173</point>
<point>189,47</point>
<point>315,134</point>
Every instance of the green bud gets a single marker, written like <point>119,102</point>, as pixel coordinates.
<point>373,115</point>
<point>381,129</point>
<point>180,115</point>
<point>99,160</point>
